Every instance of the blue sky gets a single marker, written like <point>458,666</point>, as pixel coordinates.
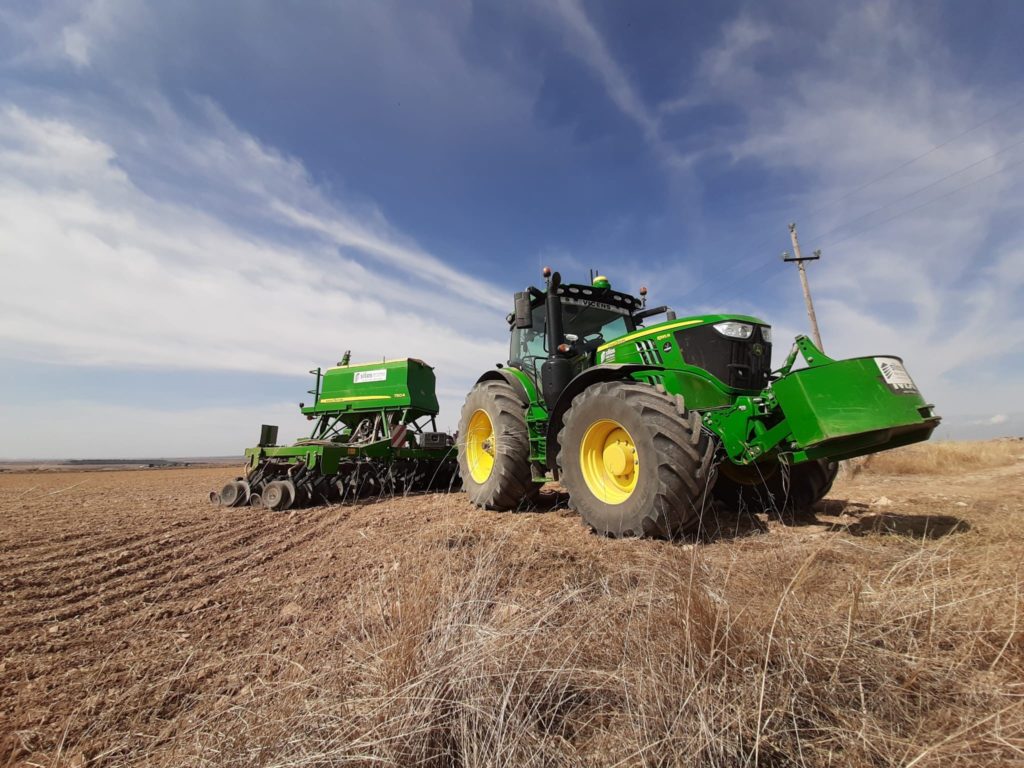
<point>201,201</point>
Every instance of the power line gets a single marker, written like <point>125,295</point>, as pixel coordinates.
<point>769,264</point>
<point>913,160</point>
<point>917,191</point>
<point>756,257</point>
<point>929,202</point>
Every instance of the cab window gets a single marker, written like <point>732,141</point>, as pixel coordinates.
<point>529,345</point>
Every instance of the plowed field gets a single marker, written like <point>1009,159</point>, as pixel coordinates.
<point>139,625</point>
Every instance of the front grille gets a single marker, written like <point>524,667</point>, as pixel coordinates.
<point>740,363</point>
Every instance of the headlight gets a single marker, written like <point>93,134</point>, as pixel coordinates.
<point>735,330</point>
<point>766,334</point>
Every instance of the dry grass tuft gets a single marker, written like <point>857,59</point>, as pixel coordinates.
<point>813,661</point>
<point>422,632</point>
<point>941,458</point>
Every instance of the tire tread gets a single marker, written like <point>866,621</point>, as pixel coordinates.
<point>685,455</point>
<point>511,482</point>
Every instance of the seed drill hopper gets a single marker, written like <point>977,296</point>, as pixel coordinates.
<point>374,434</point>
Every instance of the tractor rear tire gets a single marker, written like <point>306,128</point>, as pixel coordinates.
<point>635,461</point>
<point>783,490</point>
<point>494,448</point>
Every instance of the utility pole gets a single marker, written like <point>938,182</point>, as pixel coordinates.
<point>799,259</point>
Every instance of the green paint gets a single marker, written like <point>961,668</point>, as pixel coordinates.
<point>832,409</point>
<point>405,383</point>
<point>393,392</point>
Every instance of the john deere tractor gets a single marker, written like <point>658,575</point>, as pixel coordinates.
<point>644,425</point>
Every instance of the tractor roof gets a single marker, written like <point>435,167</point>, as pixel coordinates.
<point>596,295</point>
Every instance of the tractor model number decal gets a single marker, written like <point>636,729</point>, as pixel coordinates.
<point>608,356</point>
<point>378,374</point>
<point>896,376</point>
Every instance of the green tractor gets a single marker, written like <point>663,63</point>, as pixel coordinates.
<point>645,425</point>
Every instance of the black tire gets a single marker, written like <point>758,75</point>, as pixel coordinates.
<point>510,482</point>
<point>675,460</point>
<point>776,488</point>
<point>234,494</point>
<point>278,495</point>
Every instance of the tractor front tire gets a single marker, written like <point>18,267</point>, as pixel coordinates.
<point>494,448</point>
<point>776,488</point>
<point>635,461</point>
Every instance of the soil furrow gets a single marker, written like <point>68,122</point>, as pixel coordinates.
<point>116,563</point>
<point>87,552</point>
<point>236,553</point>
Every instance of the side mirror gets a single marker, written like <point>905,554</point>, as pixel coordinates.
<point>524,313</point>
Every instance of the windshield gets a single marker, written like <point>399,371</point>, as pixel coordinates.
<point>584,322</point>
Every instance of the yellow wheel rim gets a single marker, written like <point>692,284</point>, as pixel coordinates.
<point>480,446</point>
<point>609,461</point>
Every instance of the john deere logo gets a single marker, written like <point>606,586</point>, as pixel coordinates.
<point>757,349</point>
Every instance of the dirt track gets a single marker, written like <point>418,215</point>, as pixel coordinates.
<point>135,617</point>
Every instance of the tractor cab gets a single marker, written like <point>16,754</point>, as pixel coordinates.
<point>556,333</point>
<point>587,322</point>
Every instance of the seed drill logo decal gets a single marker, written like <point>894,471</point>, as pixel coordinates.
<point>896,376</point>
<point>380,374</point>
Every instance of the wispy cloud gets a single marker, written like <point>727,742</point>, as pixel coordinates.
<point>584,40</point>
<point>146,228</point>
<point>924,274</point>
<point>109,273</point>
<point>994,420</point>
